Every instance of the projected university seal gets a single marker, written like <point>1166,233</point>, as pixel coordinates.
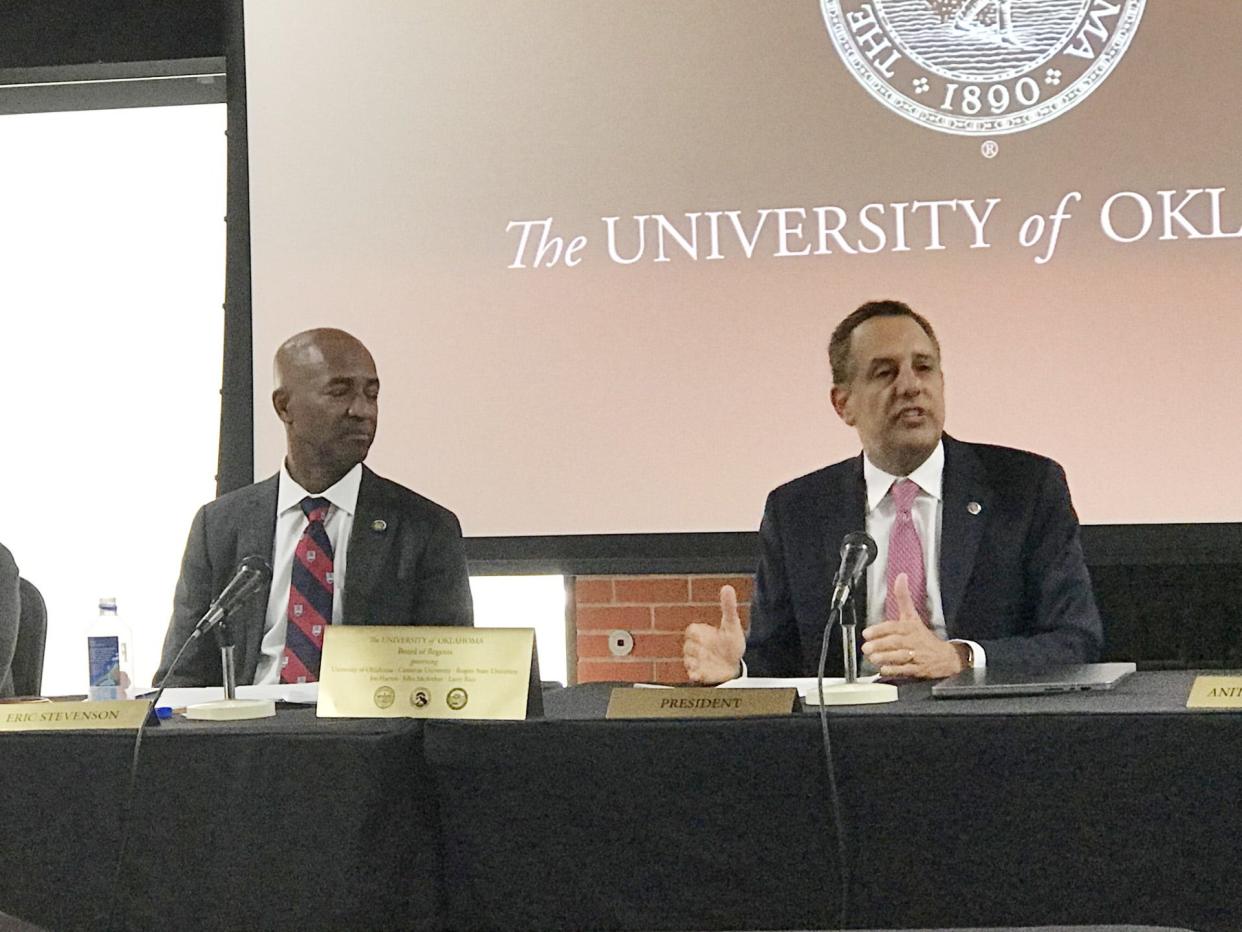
<point>981,67</point>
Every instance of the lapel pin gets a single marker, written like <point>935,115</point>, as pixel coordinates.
<point>379,525</point>
<point>974,508</point>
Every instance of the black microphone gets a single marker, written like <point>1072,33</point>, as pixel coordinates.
<point>858,552</point>
<point>251,574</point>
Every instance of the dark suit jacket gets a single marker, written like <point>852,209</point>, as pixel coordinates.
<point>1012,577</point>
<point>10,616</point>
<point>412,572</point>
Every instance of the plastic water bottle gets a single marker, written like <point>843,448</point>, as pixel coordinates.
<point>108,654</point>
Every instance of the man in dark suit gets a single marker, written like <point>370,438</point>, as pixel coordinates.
<point>980,559</point>
<point>10,617</point>
<point>345,545</point>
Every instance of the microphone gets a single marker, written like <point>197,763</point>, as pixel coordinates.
<point>858,552</point>
<point>252,573</point>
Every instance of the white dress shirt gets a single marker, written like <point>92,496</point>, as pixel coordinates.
<point>926,512</point>
<point>290,523</point>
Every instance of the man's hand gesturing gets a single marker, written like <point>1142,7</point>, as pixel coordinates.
<point>905,646</point>
<point>711,653</point>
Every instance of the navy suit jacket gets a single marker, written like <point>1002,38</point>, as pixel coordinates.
<point>407,566</point>
<point>1012,575</point>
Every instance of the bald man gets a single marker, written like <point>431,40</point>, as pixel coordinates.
<point>345,545</point>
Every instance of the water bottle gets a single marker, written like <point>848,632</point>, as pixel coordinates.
<point>108,654</point>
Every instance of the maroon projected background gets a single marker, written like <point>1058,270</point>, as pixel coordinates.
<point>597,247</point>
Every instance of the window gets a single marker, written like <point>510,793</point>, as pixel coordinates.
<point>112,280</point>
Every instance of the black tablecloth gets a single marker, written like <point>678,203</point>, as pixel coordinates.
<point>1075,810</point>
<point>1078,809</point>
<point>283,823</point>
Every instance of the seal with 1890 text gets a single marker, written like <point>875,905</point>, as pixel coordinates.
<point>981,67</point>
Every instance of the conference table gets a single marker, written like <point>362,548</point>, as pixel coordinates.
<point>292,822</point>
<point>1120,807</point>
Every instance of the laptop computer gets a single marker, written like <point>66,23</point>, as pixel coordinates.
<point>973,684</point>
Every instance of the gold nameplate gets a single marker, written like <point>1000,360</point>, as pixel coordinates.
<point>1216,692</point>
<point>699,702</point>
<point>412,672</point>
<point>74,716</point>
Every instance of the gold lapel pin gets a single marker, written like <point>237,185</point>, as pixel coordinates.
<point>974,508</point>
<point>380,525</point>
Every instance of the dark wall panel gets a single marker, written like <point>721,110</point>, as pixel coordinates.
<point>37,33</point>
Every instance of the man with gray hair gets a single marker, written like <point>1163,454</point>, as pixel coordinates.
<point>979,558</point>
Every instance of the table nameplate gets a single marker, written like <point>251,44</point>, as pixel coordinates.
<point>1215,692</point>
<point>74,716</point>
<point>700,702</point>
<point>424,672</point>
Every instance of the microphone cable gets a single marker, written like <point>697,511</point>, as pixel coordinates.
<point>251,573</point>
<point>114,916</point>
<point>834,795</point>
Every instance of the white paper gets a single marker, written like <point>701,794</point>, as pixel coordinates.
<point>807,686</point>
<point>178,697</point>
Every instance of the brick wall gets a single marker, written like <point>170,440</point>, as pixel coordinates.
<point>654,610</point>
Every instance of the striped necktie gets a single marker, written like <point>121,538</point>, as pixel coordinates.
<point>310,597</point>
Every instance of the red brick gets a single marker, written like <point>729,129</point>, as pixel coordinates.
<point>607,617</point>
<point>593,590</point>
<point>657,646</point>
<point>652,590</point>
<point>676,617</point>
<point>670,673</point>
<point>707,588</point>
<point>595,671</point>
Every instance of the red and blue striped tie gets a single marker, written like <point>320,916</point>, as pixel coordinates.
<point>310,597</point>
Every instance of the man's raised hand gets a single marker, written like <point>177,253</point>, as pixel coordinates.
<point>713,653</point>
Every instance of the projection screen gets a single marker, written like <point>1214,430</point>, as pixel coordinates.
<point>597,246</point>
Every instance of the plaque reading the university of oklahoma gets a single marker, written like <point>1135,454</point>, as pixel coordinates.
<point>415,672</point>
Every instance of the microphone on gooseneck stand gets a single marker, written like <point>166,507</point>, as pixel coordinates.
<point>251,576</point>
<point>858,551</point>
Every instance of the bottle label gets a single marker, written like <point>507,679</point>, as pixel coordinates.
<point>104,655</point>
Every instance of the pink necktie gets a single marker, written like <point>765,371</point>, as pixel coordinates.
<point>905,553</point>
